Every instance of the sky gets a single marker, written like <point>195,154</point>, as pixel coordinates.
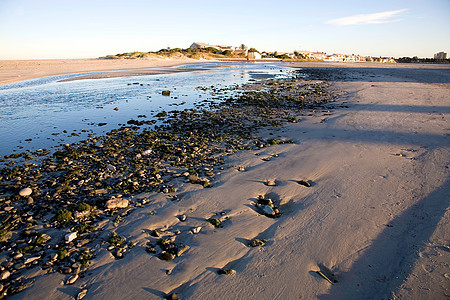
<point>46,29</point>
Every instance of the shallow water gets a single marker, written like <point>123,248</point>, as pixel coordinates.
<point>45,113</point>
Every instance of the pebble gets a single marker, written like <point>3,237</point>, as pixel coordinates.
<point>117,203</point>
<point>25,192</point>
<point>196,230</point>
<point>82,294</point>
<point>182,250</point>
<point>172,296</point>
<point>5,275</point>
<point>110,168</point>
<point>70,236</point>
<point>257,243</point>
<point>267,210</point>
<point>306,183</point>
<point>72,279</point>
<point>31,259</point>
<point>270,183</point>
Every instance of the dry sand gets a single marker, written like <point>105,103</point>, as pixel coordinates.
<point>376,214</point>
<point>17,70</point>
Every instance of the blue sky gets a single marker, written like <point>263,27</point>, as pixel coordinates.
<point>33,29</point>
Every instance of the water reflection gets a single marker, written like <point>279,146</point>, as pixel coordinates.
<point>44,112</point>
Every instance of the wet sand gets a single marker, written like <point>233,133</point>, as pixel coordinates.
<point>17,70</point>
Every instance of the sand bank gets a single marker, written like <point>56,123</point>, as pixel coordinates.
<point>376,213</point>
<point>17,70</point>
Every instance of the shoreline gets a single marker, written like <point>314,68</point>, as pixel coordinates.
<point>18,70</point>
<point>363,183</point>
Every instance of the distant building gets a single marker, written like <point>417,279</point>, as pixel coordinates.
<point>197,45</point>
<point>254,55</point>
<point>440,55</point>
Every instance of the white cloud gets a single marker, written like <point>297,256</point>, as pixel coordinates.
<point>376,18</point>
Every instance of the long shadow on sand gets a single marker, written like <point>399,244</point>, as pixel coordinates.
<point>439,74</point>
<point>400,108</point>
<point>369,277</point>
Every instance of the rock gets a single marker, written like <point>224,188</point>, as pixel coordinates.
<point>267,202</point>
<point>166,93</point>
<point>271,183</point>
<point>196,230</point>
<point>81,214</point>
<point>147,152</point>
<point>72,279</point>
<point>182,250</point>
<point>31,259</point>
<point>18,256</point>
<point>172,296</point>
<point>257,243</point>
<point>82,294</point>
<point>110,168</point>
<point>5,275</point>
<point>117,203</point>
<point>215,222</point>
<point>155,233</point>
<point>182,218</point>
<point>70,236</point>
<point>306,183</point>
<point>8,208</point>
<point>25,192</point>
<point>226,272</point>
<point>166,256</point>
<point>266,210</point>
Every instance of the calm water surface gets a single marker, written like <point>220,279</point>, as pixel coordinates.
<point>45,113</point>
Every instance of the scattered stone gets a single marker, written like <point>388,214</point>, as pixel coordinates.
<point>263,201</point>
<point>306,183</point>
<point>155,233</point>
<point>182,250</point>
<point>196,230</point>
<point>327,274</point>
<point>111,168</point>
<point>5,274</point>
<point>226,272</point>
<point>72,279</point>
<point>25,192</point>
<point>166,93</point>
<point>266,210</point>
<point>82,294</point>
<point>166,256</point>
<point>31,259</point>
<point>215,222</point>
<point>257,243</point>
<point>271,183</point>
<point>116,108</point>
<point>115,203</point>
<point>70,236</point>
<point>172,296</point>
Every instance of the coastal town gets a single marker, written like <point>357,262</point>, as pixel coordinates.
<point>205,51</point>
<point>253,54</point>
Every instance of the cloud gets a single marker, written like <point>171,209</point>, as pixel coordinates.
<point>376,18</point>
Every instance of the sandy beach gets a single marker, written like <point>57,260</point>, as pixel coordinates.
<point>17,70</point>
<point>362,191</point>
